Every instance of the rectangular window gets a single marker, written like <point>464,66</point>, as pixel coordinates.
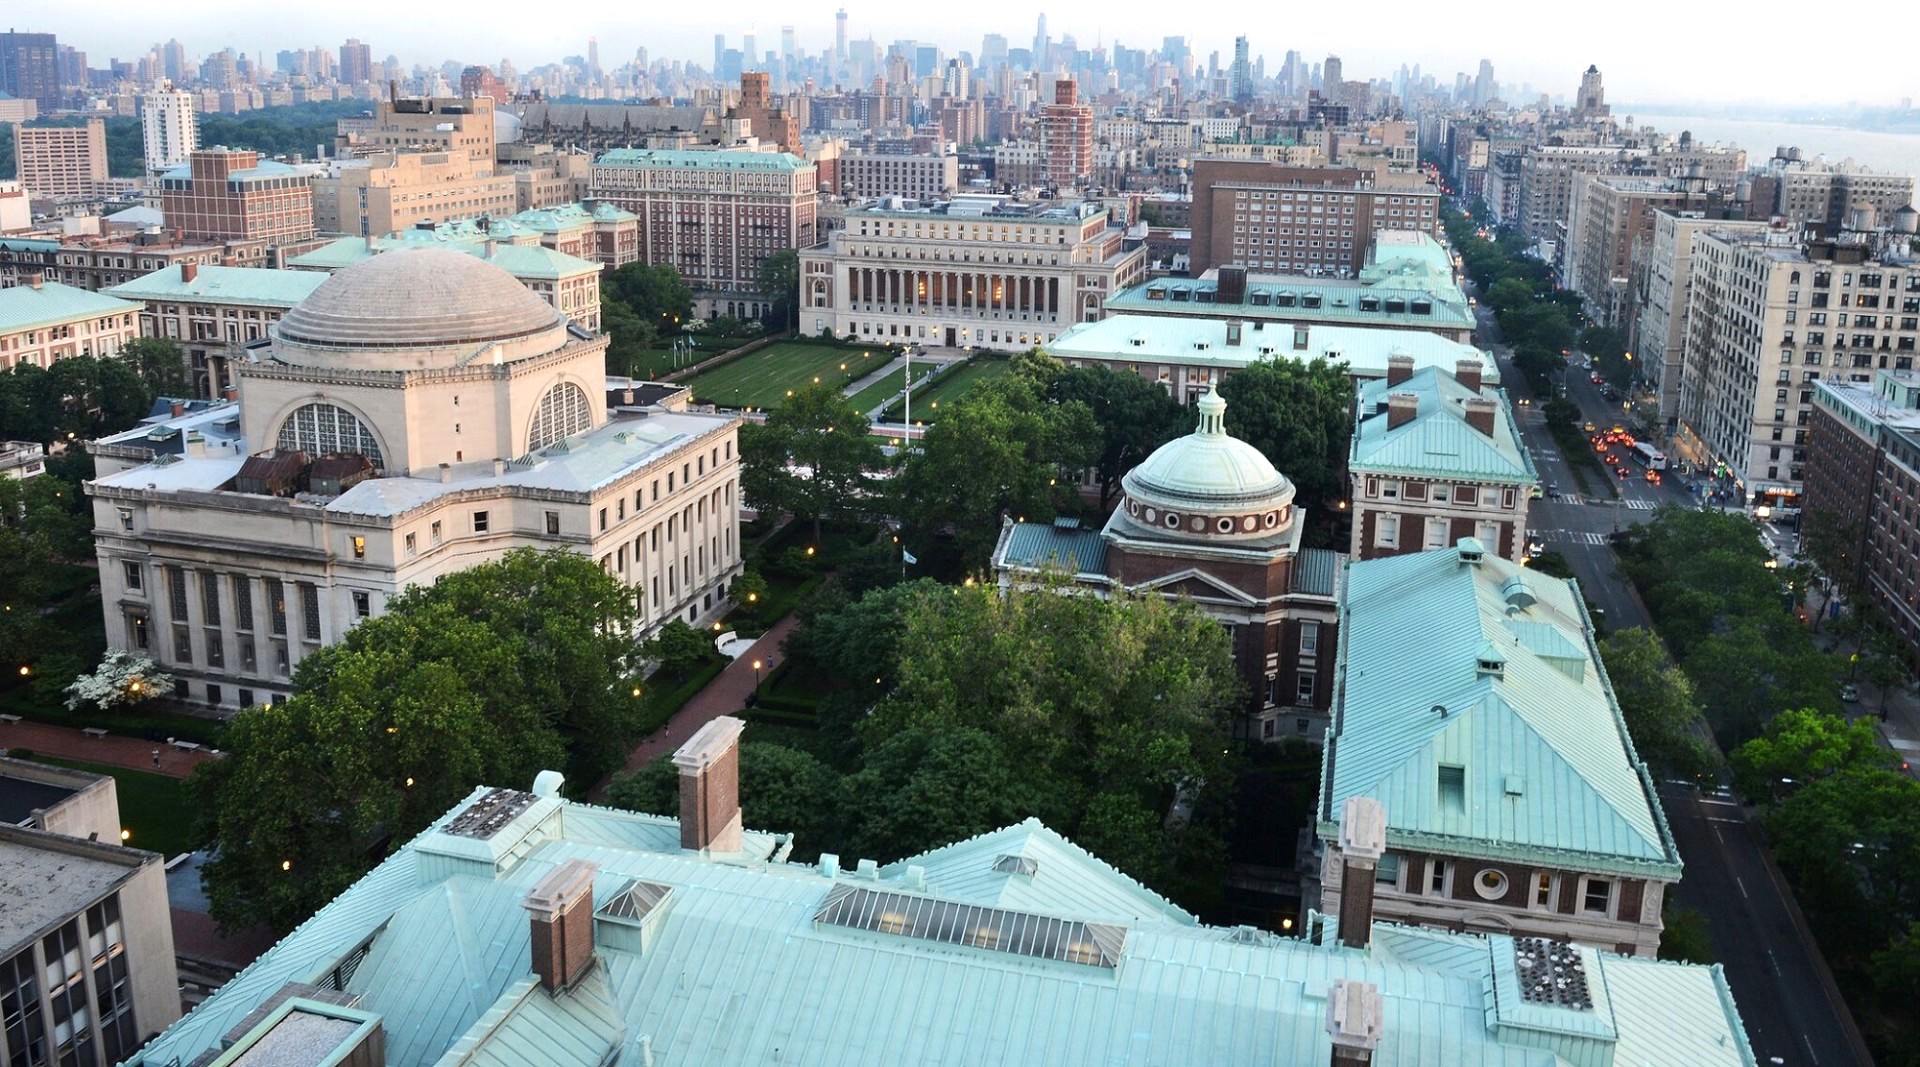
<point>277,605</point>
<point>126,518</point>
<point>1598,895</point>
<point>413,545</point>
<point>1390,490</point>
<point>177,593</point>
<point>133,574</point>
<point>1437,533</point>
<point>1386,531</point>
<point>481,522</point>
<point>246,655</point>
<point>210,598</point>
<point>310,612</point>
<point>1453,788</point>
<point>1387,871</point>
<point>603,519</point>
<point>216,652</point>
<point>1309,638</point>
<point>359,548</point>
<point>1543,890</point>
<point>1465,494</point>
<point>1303,688</point>
<point>1488,534</point>
<point>553,524</point>
<point>362,604</point>
<point>1437,872</point>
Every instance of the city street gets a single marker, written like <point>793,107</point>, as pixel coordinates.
<point>1792,1011</point>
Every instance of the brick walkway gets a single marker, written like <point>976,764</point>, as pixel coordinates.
<point>133,753</point>
<point>727,693</point>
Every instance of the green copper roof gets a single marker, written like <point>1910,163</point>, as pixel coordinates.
<point>24,307</point>
<point>750,960</point>
<point>1036,546</point>
<point>1437,442</point>
<point>1205,342</point>
<point>717,159</point>
<point>253,286</point>
<point>1504,684</point>
<point>521,261</point>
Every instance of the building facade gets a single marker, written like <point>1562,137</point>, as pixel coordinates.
<point>213,313</point>
<point>1863,483</point>
<point>1436,456</point>
<point>62,162</point>
<point>454,124</point>
<point>715,216</point>
<point>976,272</point>
<point>1516,804</point>
<point>237,538</point>
<point>1609,235</point>
<point>1302,220</point>
<point>1659,333</point>
<point>227,194</point>
<point>917,177</point>
<point>42,321</point>
<point>1209,520</point>
<point>384,193</point>
<point>169,126</point>
<point>1066,137</point>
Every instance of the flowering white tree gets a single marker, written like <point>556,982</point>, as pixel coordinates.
<point>122,679</point>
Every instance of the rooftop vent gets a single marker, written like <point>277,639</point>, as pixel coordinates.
<point>488,815</point>
<point>1551,974</point>
<point>1470,549</point>
<point>945,922</point>
<point>1517,593</point>
<point>1016,865</point>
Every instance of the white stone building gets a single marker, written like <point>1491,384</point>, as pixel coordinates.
<point>420,413</point>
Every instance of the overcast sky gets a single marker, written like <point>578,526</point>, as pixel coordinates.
<point>1676,52</point>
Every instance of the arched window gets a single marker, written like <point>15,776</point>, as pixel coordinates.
<point>320,429</point>
<point>563,411</point>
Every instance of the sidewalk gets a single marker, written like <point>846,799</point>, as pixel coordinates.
<point>726,694</point>
<point>132,753</point>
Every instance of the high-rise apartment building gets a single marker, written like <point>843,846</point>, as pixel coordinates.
<point>714,215</point>
<point>1768,317</point>
<point>1863,483</point>
<point>1659,329</point>
<point>170,128</point>
<point>1066,135</point>
<point>917,177</point>
<point>30,67</point>
<point>1302,220</point>
<point>226,194</point>
<point>423,124</point>
<point>61,162</point>
<point>1610,231</point>
<point>356,62</point>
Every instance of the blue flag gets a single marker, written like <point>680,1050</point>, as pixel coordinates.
<point>906,555</point>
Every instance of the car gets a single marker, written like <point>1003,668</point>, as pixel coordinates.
<point>1596,379</point>
<point>1525,401</point>
<point>1589,426</point>
<point>1535,493</point>
<point>1622,472</point>
<point>1850,693</point>
<point>1553,492</point>
<point>1600,447</point>
<point>1535,546</point>
<point>1653,477</point>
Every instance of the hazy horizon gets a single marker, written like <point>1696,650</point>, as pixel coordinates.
<point>1695,59</point>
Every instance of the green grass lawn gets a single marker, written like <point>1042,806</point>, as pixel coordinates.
<point>951,385</point>
<point>881,391</point>
<point>763,379</point>
<point>156,809</point>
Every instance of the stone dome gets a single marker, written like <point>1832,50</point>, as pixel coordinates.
<point>1209,483</point>
<point>417,309</point>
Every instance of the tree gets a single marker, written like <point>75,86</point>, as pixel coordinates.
<point>1300,416</point>
<point>160,364</point>
<point>747,592</point>
<point>996,453</point>
<point>121,681</point>
<point>812,457</point>
<point>1657,702</point>
<point>630,336</point>
<point>489,676</point>
<point>925,787</point>
<point>1803,745</point>
<point>780,283</point>
<point>679,648</point>
<point>1849,841</point>
<point>1508,293</point>
<point>655,294</point>
<point>1135,417</point>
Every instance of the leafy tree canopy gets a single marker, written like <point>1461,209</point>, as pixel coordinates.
<point>813,457</point>
<point>1300,416</point>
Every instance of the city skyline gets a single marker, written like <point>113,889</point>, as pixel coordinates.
<point>1682,72</point>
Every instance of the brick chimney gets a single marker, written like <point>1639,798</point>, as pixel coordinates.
<point>35,279</point>
<point>1467,373</point>
<point>1363,840</point>
<point>1231,284</point>
<point>1399,368</point>
<point>1401,408</point>
<point>710,787</point>
<point>177,408</point>
<point>561,909</point>
<point>189,271</point>
<point>1355,1013</point>
<point>1480,414</point>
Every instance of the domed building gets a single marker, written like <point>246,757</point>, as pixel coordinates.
<point>419,412</point>
<point>1207,518</point>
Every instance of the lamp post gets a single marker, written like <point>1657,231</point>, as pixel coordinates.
<point>756,676</point>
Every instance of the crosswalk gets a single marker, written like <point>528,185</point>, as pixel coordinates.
<point>1573,537</point>
<point>1640,505</point>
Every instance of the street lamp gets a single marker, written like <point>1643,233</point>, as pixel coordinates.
<point>756,676</point>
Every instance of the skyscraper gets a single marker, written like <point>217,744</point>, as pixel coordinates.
<point>719,51</point>
<point>1483,84</point>
<point>1592,101</point>
<point>173,60</point>
<point>356,62</point>
<point>840,36</point>
<point>170,128</point>
<point>1040,43</point>
<point>788,47</point>
<point>1331,77</point>
<point>593,60</point>
<point>750,50</point>
<point>29,67</point>
<point>1240,76</point>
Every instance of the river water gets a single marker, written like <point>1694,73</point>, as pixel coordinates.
<point>1896,152</point>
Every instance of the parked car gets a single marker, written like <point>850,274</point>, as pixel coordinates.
<point>1850,693</point>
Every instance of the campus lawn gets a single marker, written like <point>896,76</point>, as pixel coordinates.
<point>951,385</point>
<point>156,810</point>
<point>881,391</point>
<point>763,378</point>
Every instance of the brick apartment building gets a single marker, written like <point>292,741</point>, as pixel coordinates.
<point>1301,220</point>
<point>1066,137</point>
<point>232,194</point>
<point>1863,480</point>
<point>61,162</point>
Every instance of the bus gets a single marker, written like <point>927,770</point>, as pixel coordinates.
<point>1649,457</point>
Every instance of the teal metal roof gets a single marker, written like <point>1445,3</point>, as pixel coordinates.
<point>1519,711</point>
<point>25,307</point>
<point>260,171</point>
<point>717,159</point>
<point>28,244</point>
<point>1036,545</point>
<point>1437,442</point>
<point>521,261</point>
<point>1202,342</point>
<point>742,970</point>
<point>253,286</point>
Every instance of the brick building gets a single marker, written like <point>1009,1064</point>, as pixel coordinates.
<point>232,194</point>
<point>1301,220</point>
<point>42,321</point>
<point>61,162</point>
<point>1863,483</point>
<point>1066,137</point>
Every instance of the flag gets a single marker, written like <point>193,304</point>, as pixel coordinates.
<point>906,555</point>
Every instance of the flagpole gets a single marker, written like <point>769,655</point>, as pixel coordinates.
<point>907,434</point>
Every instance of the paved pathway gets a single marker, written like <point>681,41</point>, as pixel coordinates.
<point>727,693</point>
<point>133,753</point>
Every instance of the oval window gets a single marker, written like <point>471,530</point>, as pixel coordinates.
<point>1151,515</point>
<point>1133,508</point>
<point>1249,524</point>
<point>1272,519</point>
<point>1224,525</point>
<point>1173,521</point>
<point>1490,884</point>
